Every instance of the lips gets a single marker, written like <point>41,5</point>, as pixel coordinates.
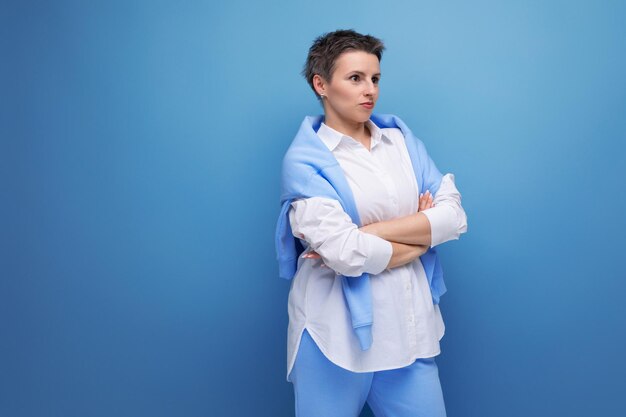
<point>368,104</point>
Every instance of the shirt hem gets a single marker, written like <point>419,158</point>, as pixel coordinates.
<point>338,363</point>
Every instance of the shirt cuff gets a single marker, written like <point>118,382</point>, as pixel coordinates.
<point>441,228</point>
<point>380,252</point>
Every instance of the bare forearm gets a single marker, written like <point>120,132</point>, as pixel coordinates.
<point>403,253</point>
<point>413,229</point>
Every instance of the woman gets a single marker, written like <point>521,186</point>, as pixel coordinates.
<point>363,207</point>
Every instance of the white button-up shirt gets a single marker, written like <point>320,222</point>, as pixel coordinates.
<point>407,325</point>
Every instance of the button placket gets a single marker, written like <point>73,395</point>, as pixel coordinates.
<point>392,190</point>
<point>410,311</point>
<point>393,193</point>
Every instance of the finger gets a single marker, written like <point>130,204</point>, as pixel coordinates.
<point>424,200</point>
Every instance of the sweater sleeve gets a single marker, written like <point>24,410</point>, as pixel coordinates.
<point>330,232</point>
<point>447,217</point>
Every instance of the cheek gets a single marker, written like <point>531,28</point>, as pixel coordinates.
<point>346,94</point>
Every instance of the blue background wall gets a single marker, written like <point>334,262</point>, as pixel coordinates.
<point>141,148</point>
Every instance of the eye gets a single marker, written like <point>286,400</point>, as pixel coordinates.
<point>354,75</point>
<point>376,80</point>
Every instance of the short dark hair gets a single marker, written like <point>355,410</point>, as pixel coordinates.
<point>326,49</point>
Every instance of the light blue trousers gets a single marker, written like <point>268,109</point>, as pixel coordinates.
<point>323,389</point>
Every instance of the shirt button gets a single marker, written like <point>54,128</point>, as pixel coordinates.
<point>411,319</point>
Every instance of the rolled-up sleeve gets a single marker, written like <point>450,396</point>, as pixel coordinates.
<point>330,232</point>
<point>447,217</point>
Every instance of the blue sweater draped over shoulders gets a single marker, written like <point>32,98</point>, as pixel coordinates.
<point>310,170</point>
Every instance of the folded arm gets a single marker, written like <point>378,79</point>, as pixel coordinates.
<point>404,253</point>
<point>343,247</point>
<point>445,221</point>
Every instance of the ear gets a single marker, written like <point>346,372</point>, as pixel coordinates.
<point>319,84</point>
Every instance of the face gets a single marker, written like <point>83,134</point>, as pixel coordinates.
<point>353,82</point>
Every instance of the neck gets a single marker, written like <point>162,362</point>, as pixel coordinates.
<point>347,127</point>
<point>356,130</point>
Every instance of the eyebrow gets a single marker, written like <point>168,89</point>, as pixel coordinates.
<point>362,73</point>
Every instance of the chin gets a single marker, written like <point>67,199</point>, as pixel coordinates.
<point>364,117</point>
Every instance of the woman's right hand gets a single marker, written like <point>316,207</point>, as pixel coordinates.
<point>425,201</point>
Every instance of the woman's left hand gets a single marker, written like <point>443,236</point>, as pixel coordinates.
<point>311,255</point>
<point>314,255</point>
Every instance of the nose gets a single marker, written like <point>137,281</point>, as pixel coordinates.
<point>370,88</point>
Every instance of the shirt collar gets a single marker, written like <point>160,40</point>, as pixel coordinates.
<point>332,137</point>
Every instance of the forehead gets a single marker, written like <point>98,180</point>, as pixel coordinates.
<point>357,61</point>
